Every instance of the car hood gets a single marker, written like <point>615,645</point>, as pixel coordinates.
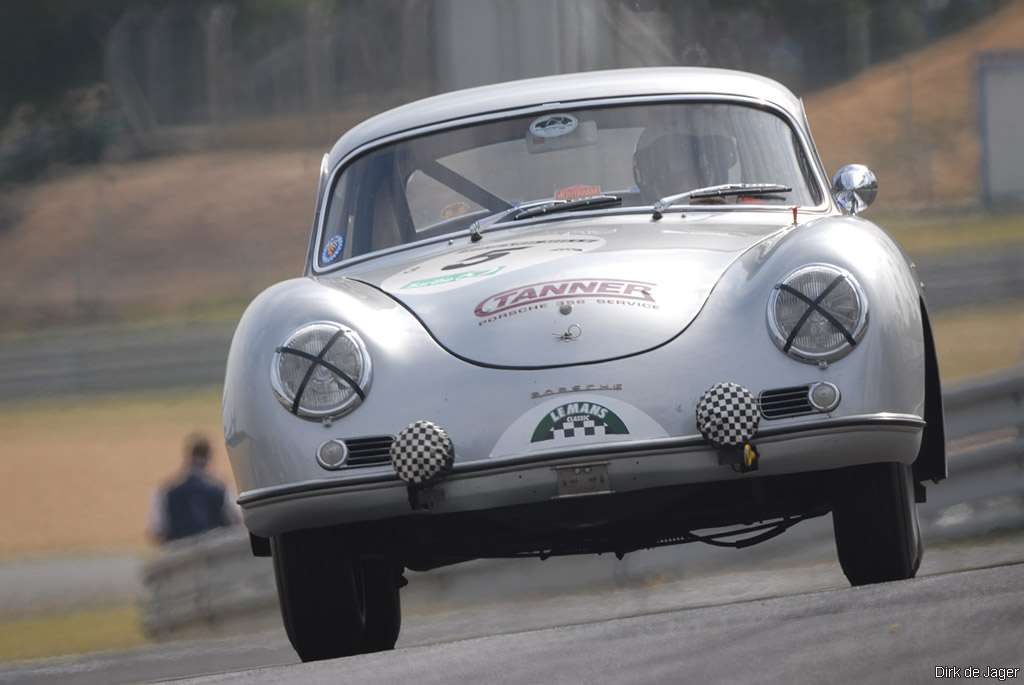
<point>576,293</point>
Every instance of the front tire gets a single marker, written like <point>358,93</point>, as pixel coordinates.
<point>319,585</point>
<point>874,517</point>
<point>381,582</point>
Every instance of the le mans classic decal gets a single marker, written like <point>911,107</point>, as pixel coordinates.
<point>578,419</point>
<point>470,264</point>
<point>559,423</point>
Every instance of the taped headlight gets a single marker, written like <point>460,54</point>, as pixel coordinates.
<point>817,313</point>
<point>320,370</point>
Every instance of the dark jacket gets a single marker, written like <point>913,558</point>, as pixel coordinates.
<point>194,505</point>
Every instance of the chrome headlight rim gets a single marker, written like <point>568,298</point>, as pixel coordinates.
<point>360,386</point>
<point>853,336</point>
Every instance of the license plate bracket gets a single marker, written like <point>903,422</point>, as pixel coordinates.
<point>583,479</point>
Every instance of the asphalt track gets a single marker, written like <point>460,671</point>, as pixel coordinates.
<point>898,632</point>
<point>784,614</point>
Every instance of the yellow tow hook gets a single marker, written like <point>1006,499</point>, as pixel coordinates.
<point>749,458</point>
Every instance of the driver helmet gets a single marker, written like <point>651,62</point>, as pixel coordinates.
<point>669,162</point>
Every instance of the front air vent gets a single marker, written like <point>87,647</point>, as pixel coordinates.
<point>782,403</point>
<point>369,451</point>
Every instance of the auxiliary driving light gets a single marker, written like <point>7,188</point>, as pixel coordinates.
<point>727,415</point>
<point>422,453</point>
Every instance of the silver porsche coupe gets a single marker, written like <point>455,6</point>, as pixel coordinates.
<point>591,313</point>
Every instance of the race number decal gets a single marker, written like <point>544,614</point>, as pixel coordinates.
<point>470,264</point>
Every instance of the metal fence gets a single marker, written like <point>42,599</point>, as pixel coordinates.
<point>212,65</point>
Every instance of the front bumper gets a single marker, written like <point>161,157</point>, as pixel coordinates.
<point>376,493</point>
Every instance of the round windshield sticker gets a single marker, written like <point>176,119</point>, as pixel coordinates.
<point>454,209</point>
<point>332,250</point>
<point>554,125</point>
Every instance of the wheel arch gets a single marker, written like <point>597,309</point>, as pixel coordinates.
<point>931,458</point>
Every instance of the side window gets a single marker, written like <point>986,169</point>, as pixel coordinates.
<point>364,212</point>
<point>337,238</point>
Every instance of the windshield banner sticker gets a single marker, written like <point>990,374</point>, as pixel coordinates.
<point>470,264</point>
<point>577,192</point>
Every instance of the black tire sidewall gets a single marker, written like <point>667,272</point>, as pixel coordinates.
<point>875,521</point>
<point>320,591</point>
<point>383,606</point>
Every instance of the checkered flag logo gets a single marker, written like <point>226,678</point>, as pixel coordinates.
<point>422,453</point>
<point>727,415</point>
<point>579,428</point>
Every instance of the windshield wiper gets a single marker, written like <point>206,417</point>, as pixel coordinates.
<point>555,206</point>
<point>540,209</point>
<point>718,191</point>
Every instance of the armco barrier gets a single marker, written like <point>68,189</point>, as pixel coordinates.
<point>211,585</point>
<point>208,585</point>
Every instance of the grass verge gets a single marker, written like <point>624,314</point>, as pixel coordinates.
<point>929,232</point>
<point>979,340</point>
<point>76,473</point>
<point>38,637</point>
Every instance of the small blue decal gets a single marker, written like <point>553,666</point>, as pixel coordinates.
<point>332,250</point>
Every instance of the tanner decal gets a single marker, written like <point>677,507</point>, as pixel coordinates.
<point>578,419</point>
<point>636,293</point>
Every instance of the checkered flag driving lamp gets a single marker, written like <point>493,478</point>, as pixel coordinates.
<point>727,415</point>
<point>422,453</point>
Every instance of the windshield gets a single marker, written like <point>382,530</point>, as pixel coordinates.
<point>443,182</point>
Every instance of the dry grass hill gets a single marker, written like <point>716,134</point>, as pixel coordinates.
<point>914,120</point>
<point>165,236</point>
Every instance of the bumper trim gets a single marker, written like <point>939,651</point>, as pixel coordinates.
<point>386,477</point>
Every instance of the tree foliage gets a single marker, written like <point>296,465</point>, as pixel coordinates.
<point>50,48</point>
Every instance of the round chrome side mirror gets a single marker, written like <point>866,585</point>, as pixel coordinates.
<point>854,187</point>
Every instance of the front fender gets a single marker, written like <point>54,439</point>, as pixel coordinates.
<point>265,442</point>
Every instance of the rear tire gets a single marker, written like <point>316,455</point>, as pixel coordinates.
<point>320,589</point>
<point>874,516</point>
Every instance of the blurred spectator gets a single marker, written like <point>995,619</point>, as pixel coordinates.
<point>192,502</point>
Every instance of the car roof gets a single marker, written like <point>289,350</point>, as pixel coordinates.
<point>565,88</point>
